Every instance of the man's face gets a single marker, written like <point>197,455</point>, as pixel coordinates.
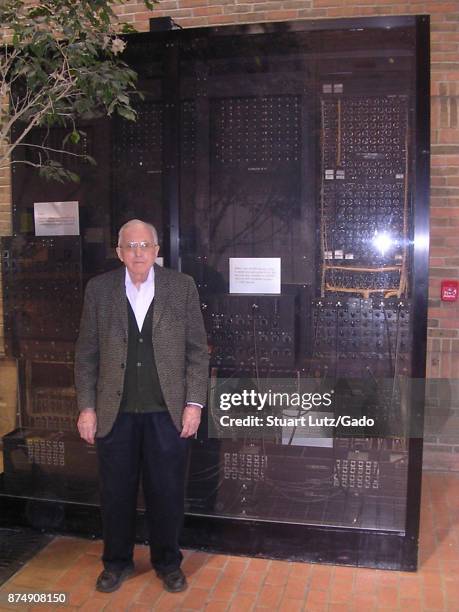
<point>137,260</point>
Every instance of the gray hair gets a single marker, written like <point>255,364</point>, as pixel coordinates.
<point>151,227</point>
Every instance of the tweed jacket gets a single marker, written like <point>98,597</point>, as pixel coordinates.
<point>178,336</point>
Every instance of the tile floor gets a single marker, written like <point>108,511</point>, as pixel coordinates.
<point>220,583</point>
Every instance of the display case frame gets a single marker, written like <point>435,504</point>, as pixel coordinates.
<point>340,545</point>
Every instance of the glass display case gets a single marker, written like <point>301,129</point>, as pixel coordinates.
<point>286,169</point>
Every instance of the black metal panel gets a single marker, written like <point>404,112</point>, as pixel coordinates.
<point>171,177</point>
<point>420,272</point>
<point>360,548</point>
<point>41,278</point>
<point>50,465</point>
<point>232,322</point>
<point>348,135</point>
<point>139,149</point>
<point>137,164</point>
<point>360,482</point>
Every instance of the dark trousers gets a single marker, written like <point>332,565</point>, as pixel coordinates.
<point>147,444</point>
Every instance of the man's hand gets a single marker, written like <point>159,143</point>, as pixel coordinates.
<point>190,420</point>
<point>87,425</point>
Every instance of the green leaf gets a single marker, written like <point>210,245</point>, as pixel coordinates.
<point>123,98</point>
<point>75,137</point>
<point>126,113</point>
<point>72,176</point>
<point>127,28</point>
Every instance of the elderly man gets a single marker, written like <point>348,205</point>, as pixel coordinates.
<point>141,366</point>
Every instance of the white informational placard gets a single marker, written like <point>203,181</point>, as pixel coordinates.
<point>255,275</point>
<point>56,219</point>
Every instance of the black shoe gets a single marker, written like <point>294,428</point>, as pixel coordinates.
<point>110,580</point>
<point>174,581</point>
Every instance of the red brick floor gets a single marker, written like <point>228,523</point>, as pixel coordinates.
<point>219,583</point>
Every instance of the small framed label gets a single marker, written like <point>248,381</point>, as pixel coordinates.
<point>255,275</point>
<point>56,219</point>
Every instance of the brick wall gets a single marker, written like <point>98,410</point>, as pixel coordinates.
<point>8,382</point>
<point>5,228</point>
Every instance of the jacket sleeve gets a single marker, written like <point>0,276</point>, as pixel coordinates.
<point>197,354</point>
<point>87,353</point>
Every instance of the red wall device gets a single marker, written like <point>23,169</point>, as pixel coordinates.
<point>449,290</point>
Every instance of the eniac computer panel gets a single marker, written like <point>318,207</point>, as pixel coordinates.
<point>298,152</point>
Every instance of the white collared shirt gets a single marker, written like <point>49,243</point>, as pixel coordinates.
<point>140,299</point>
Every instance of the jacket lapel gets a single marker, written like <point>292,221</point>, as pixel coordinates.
<point>161,294</point>
<point>119,300</point>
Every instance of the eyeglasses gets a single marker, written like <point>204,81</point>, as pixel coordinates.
<point>132,246</point>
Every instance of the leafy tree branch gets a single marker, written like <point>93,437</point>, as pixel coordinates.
<point>60,62</point>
